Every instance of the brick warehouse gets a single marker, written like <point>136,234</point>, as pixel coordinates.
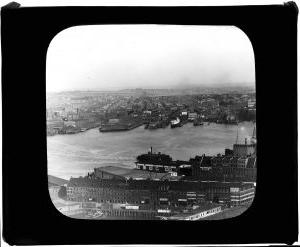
<point>154,195</point>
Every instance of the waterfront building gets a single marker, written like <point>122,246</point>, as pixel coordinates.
<point>225,167</point>
<point>225,174</point>
<point>171,167</point>
<point>153,195</point>
<point>246,149</point>
<point>156,162</point>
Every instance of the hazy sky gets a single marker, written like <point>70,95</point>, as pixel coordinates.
<point>108,57</point>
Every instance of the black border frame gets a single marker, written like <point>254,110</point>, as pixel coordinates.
<point>29,217</point>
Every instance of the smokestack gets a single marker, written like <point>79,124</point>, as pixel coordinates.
<point>246,141</point>
<point>151,149</point>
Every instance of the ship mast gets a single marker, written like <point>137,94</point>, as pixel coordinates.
<point>237,135</point>
<point>254,132</point>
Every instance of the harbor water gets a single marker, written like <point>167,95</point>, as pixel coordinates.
<point>76,154</point>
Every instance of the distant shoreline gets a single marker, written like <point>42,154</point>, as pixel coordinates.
<point>88,129</point>
<point>195,90</point>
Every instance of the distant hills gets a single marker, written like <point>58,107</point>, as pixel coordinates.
<point>214,89</point>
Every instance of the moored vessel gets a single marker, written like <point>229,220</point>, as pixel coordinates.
<point>176,123</point>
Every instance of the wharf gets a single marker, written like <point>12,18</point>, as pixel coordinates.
<point>119,127</point>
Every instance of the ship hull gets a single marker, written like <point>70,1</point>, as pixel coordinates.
<point>176,125</point>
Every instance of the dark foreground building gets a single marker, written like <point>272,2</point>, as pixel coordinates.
<point>149,198</point>
<point>182,190</point>
<point>237,165</point>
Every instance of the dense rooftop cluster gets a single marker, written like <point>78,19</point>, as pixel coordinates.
<point>71,112</point>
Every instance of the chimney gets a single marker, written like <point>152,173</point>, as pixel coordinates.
<point>151,149</point>
<point>246,141</point>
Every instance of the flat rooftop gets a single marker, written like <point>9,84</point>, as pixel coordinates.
<point>56,180</point>
<point>136,174</point>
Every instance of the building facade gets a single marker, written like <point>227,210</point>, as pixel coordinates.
<point>154,195</point>
<point>241,196</point>
<point>244,149</point>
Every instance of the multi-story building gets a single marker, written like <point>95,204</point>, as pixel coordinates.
<point>226,173</point>
<point>154,195</point>
<point>240,196</point>
<point>246,149</point>
<point>156,162</point>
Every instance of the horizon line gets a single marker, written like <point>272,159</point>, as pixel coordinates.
<point>137,88</point>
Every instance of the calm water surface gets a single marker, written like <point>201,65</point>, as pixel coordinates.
<point>75,155</point>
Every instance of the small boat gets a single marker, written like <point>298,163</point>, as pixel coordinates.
<point>175,123</point>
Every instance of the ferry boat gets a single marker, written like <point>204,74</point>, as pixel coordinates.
<point>176,123</point>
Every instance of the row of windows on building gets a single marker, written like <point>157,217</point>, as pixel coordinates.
<point>242,197</point>
<point>156,168</point>
<point>130,213</point>
<point>226,174</point>
<point>144,201</point>
<point>135,192</point>
<point>121,193</point>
